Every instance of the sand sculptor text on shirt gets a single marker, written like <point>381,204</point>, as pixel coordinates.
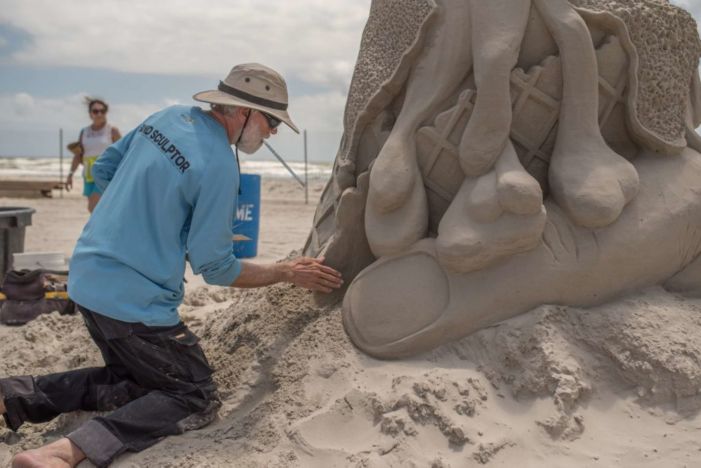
<point>160,140</point>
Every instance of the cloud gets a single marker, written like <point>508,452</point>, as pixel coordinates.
<point>23,104</point>
<point>322,111</point>
<point>26,113</point>
<point>314,41</point>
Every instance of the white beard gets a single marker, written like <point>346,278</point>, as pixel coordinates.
<point>251,140</point>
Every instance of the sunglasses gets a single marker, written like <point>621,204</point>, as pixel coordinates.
<point>98,111</point>
<point>273,122</point>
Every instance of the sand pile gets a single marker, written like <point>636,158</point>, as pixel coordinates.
<point>613,385</point>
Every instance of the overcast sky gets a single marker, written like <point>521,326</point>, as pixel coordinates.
<point>143,55</point>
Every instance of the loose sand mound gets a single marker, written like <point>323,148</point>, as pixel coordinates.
<point>613,385</point>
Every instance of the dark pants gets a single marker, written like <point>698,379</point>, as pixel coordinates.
<point>156,380</point>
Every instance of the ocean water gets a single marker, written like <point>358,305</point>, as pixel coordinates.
<point>50,168</point>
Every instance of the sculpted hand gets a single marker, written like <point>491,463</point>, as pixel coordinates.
<point>311,273</point>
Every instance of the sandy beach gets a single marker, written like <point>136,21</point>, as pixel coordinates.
<point>614,385</point>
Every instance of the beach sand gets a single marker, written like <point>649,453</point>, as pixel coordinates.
<point>614,385</point>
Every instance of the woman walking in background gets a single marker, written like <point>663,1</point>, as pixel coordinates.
<point>93,140</point>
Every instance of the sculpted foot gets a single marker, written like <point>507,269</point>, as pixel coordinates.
<point>396,213</point>
<point>588,180</point>
<point>394,174</point>
<point>492,217</point>
<point>495,52</point>
<point>483,140</point>
<point>395,231</point>
<point>592,183</point>
<point>519,193</point>
<point>437,72</point>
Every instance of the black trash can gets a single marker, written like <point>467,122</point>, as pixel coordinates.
<point>12,223</point>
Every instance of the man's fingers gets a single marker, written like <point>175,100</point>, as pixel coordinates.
<point>324,288</point>
<point>317,287</point>
<point>333,279</point>
<point>328,276</point>
<point>311,273</point>
<point>319,283</point>
<point>314,266</point>
<point>329,270</point>
<point>319,263</point>
<point>328,279</point>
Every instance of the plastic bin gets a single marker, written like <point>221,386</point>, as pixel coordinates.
<point>49,261</point>
<point>247,217</point>
<point>12,223</point>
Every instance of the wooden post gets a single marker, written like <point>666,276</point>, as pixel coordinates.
<point>60,159</point>
<point>306,177</point>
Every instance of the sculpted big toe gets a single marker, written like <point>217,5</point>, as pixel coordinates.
<point>394,299</point>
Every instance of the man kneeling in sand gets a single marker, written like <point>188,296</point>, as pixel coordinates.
<point>169,191</point>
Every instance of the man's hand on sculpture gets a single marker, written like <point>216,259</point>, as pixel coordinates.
<point>311,273</point>
<point>305,272</point>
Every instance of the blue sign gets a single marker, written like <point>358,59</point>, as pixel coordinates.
<point>247,219</point>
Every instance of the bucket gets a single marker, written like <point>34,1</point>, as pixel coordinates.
<point>51,261</point>
<point>12,224</point>
<point>247,217</point>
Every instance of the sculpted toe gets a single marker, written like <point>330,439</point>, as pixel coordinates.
<point>394,299</point>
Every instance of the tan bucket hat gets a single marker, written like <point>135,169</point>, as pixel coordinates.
<point>254,86</point>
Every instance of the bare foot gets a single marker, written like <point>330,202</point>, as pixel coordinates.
<point>59,454</point>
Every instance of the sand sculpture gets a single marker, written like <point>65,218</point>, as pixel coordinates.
<point>505,154</point>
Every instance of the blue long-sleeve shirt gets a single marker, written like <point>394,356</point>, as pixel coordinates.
<point>169,190</point>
